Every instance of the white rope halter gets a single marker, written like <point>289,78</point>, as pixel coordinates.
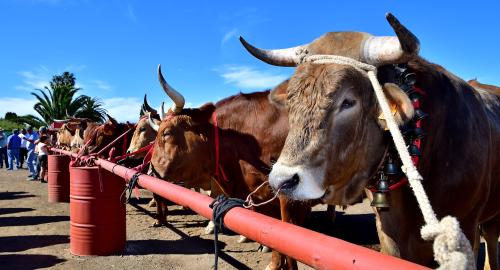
<point>452,250</point>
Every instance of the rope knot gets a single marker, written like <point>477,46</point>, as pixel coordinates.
<point>452,249</point>
<point>301,54</point>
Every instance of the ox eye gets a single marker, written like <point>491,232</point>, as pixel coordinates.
<point>347,103</point>
<point>142,129</point>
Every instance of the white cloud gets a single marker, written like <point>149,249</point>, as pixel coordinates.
<point>123,108</point>
<point>248,77</point>
<point>228,36</point>
<point>36,79</point>
<point>103,85</point>
<point>20,106</point>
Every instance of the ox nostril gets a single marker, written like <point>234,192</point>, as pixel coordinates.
<point>128,151</point>
<point>291,183</point>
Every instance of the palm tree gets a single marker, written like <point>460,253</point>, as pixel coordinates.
<point>58,100</point>
<point>92,109</point>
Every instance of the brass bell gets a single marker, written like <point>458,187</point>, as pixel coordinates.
<point>410,79</point>
<point>418,133</point>
<point>390,168</point>
<point>382,185</point>
<point>419,114</point>
<point>379,200</point>
<point>413,150</point>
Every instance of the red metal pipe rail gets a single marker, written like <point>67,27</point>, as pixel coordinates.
<point>312,248</point>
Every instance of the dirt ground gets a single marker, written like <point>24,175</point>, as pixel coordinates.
<point>34,234</point>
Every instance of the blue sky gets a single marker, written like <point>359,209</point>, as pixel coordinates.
<point>114,47</point>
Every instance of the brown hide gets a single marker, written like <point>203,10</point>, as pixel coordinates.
<point>459,160</point>
<point>251,134</point>
<point>103,134</point>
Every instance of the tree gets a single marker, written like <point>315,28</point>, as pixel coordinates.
<point>92,109</point>
<point>58,100</point>
<point>10,116</point>
<point>22,120</point>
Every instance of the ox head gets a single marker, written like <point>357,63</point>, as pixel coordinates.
<point>144,134</point>
<point>70,130</point>
<point>181,151</point>
<point>103,134</point>
<point>65,134</point>
<point>336,138</point>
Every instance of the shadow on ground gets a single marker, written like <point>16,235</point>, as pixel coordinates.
<point>6,211</point>
<point>358,229</point>
<point>181,246</point>
<point>26,242</point>
<point>22,262</point>
<point>30,220</point>
<point>15,195</point>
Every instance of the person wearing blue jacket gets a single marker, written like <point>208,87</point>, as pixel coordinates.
<point>3,150</point>
<point>13,146</point>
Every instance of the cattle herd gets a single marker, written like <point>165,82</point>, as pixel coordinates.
<point>319,137</point>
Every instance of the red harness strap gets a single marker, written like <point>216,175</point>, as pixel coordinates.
<point>124,134</point>
<point>218,167</point>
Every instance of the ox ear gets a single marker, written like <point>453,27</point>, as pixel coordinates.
<point>278,95</point>
<point>400,104</point>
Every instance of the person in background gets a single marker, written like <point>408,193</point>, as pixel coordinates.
<point>3,150</point>
<point>23,151</point>
<point>42,148</point>
<point>13,145</point>
<point>31,136</point>
<point>42,131</point>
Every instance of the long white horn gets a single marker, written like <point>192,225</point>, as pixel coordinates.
<point>152,124</point>
<point>281,57</point>
<point>172,93</point>
<point>162,110</point>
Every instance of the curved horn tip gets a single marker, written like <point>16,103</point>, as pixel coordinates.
<point>409,42</point>
<point>391,18</point>
<point>159,68</point>
<point>280,57</point>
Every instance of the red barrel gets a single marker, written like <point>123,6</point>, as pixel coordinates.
<point>97,217</point>
<point>58,178</point>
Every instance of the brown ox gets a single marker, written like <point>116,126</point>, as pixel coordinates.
<point>484,87</point>
<point>336,140</point>
<point>65,135</point>
<point>102,135</point>
<point>251,133</point>
<point>70,135</point>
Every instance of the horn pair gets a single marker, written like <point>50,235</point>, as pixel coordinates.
<point>360,46</point>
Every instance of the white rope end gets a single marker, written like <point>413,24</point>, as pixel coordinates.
<point>452,249</point>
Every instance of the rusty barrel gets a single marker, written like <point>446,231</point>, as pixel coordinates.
<point>58,178</point>
<point>97,217</point>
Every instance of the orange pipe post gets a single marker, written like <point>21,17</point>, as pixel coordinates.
<point>312,248</point>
